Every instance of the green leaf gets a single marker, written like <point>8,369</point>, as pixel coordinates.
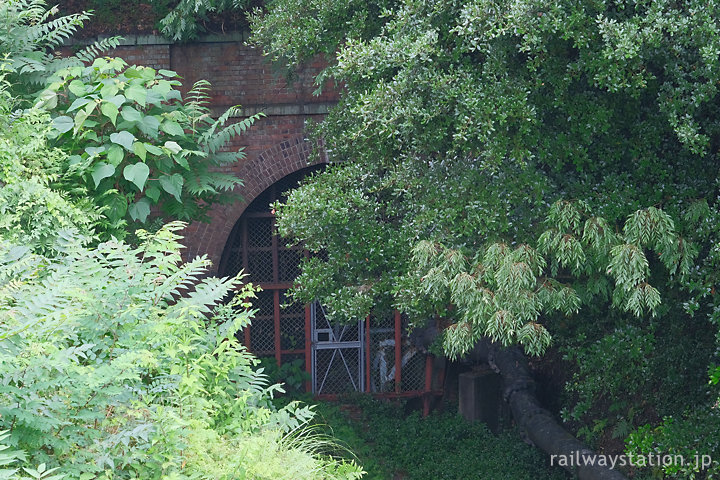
<point>162,88</point>
<point>181,160</point>
<point>173,128</point>
<point>100,171</point>
<point>123,138</point>
<point>109,90</point>
<point>153,192</point>
<point>149,126</point>
<point>132,72</point>
<point>152,149</point>
<point>140,210</point>
<point>94,151</point>
<point>78,88</point>
<point>137,174</point>
<point>115,155</point>
<point>117,206</point>
<point>139,149</point>
<point>79,103</point>
<point>117,100</point>
<point>138,93</point>
<point>173,147</point>
<point>167,73</point>
<point>110,110</point>
<point>172,184</point>
<point>130,114</point>
<point>63,123</point>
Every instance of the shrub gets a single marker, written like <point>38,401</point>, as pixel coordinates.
<point>118,362</point>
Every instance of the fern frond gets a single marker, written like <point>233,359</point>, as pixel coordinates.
<point>215,141</point>
<point>89,53</point>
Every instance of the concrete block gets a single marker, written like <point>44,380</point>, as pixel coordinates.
<point>480,398</point>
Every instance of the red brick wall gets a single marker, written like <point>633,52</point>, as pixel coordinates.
<point>275,146</point>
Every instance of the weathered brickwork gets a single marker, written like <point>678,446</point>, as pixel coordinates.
<point>240,75</point>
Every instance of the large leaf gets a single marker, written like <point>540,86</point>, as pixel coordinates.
<point>138,93</point>
<point>139,149</point>
<point>79,103</point>
<point>137,174</point>
<point>115,154</point>
<point>152,149</point>
<point>153,192</point>
<point>63,123</point>
<point>140,210</point>
<point>110,89</point>
<point>78,88</point>
<point>100,171</point>
<point>130,114</point>
<point>172,184</point>
<point>173,128</point>
<point>117,206</point>
<point>173,147</point>
<point>149,126</point>
<point>123,138</point>
<point>110,110</point>
<point>117,100</point>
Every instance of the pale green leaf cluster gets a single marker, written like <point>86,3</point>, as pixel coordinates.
<point>504,291</point>
<point>134,144</point>
<point>124,361</point>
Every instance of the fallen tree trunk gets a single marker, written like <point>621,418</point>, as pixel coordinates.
<point>541,427</point>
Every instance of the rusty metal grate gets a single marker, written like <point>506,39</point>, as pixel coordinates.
<point>289,264</point>
<point>259,232</point>
<point>262,336</point>
<point>260,267</point>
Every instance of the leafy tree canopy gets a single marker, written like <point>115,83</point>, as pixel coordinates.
<point>503,164</point>
<point>461,122</point>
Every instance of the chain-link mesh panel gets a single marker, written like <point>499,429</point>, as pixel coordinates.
<point>259,232</point>
<point>234,262</point>
<point>292,325</point>
<point>262,336</point>
<point>264,304</point>
<point>337,370</point>
<point>260,266</point>
<point>262,328</point>
<point>289,264</point>
<point>382,355</point>
<point>382,359</point>
<point>413,363</point>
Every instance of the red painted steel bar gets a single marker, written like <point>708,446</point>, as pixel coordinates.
<point>398,352</point>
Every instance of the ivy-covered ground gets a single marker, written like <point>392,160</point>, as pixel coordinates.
<point>394,444</point>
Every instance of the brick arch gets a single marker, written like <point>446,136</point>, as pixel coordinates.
<point>257,173</point>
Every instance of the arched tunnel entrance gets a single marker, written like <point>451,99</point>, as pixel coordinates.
<point>367,356</point>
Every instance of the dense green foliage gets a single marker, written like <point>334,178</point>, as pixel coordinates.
<point>390,443</point>
<point>118,361</point>
<point>133,144</point>
<point>518,169</point>
<point>30,31</point>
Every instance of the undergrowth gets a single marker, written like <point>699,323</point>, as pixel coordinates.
<point>391,444</point>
